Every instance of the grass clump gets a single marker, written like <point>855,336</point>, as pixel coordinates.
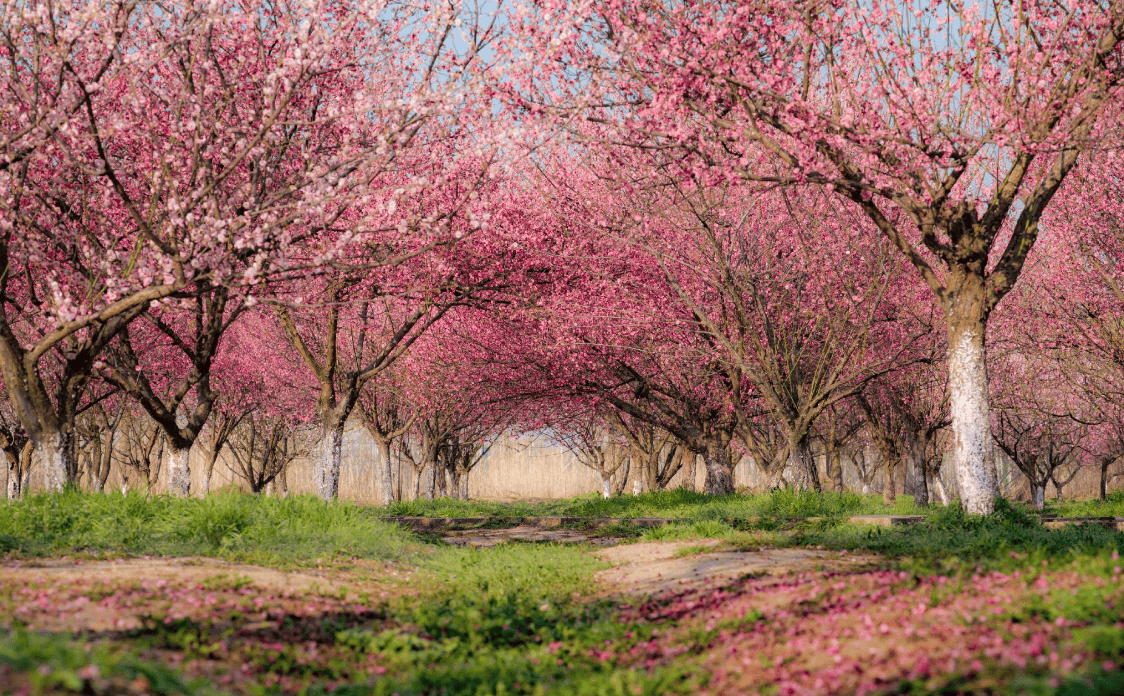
<point>679,503</point>
<point>53,663</point>
<point>509,639</point>
<point>266,529</point>
<point>469,645</point>
<point>706,529</point>
<point>544,572</point>
<point>1011,537</point>
<point>1111,506</point>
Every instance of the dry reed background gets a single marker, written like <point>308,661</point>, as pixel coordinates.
<point>523,468</point>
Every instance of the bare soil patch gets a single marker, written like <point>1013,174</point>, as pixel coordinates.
<point>654,568</point>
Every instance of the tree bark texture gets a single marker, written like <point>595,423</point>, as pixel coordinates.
<point>55,452</point>
<point>805,474</point>
<point>328,465</point>
<point>385,473</point>
<point>913,453</point>
<point>692,471</point>
<point>179,471</point>
<point>971,424</point>
<point>719,469</point>
<point>940,490</point>
<point>1037,496</point>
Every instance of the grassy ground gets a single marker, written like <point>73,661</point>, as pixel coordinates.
<point>961,604</point>
<point>1112,506</point>
<point>273,531</point>
<point>679,503</point>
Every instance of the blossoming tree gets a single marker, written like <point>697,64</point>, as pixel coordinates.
<point>950,126</point>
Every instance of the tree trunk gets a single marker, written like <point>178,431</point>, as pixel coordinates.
<point>968,399</point>
<point>454,488</point>
<point>1105,464</point>
<point>430,481</point>
<point>442,482</point>
<point>940,490</point>
<point>328,465</point>
<point>1037,495</point>
<point>805,474</point>
<point>622,478</point>
<point>56,455</point>
<point>283,483</point>
<point>179,471</point>
<point>915,483</point>
<point>105,465</point>
<point>606,485</point>
<point>692,471</point>
<point>14,474</point>
<point>834,467</point>
<point>208,472</point>
<point>464,487</point>
<point>719,469</point>
<point>650,478</point>
<point>889,482</point>
<point>384,472</point>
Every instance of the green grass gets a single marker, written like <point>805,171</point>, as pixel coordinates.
<point>473,644</point>
<point>679,503</point>
<point>487,620</point>
<point>706,529</point>
<point>1112,506</point>
<point>542,571</point>
<point>301,529</point>
<point>1011,537</point>
<point>56,664</point>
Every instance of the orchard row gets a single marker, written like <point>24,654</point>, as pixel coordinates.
<point>657,231</point>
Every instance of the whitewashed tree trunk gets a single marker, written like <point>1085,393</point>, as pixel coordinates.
<point>205,488</point>
<point>385,479</point>
<point>971,424</point>
<point>179,472</point>
<point>940,490</point>
<point>606,486</point>
<point>1038,495</point>
<point>51,453</point>
<point>464,486</point>
<point>13,485</point>
<point>328,465</point>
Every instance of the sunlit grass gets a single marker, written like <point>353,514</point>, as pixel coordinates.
<point>263,529</point>
<point>679,504</point>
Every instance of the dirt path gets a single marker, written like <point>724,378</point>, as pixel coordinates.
<point>654,568</point>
